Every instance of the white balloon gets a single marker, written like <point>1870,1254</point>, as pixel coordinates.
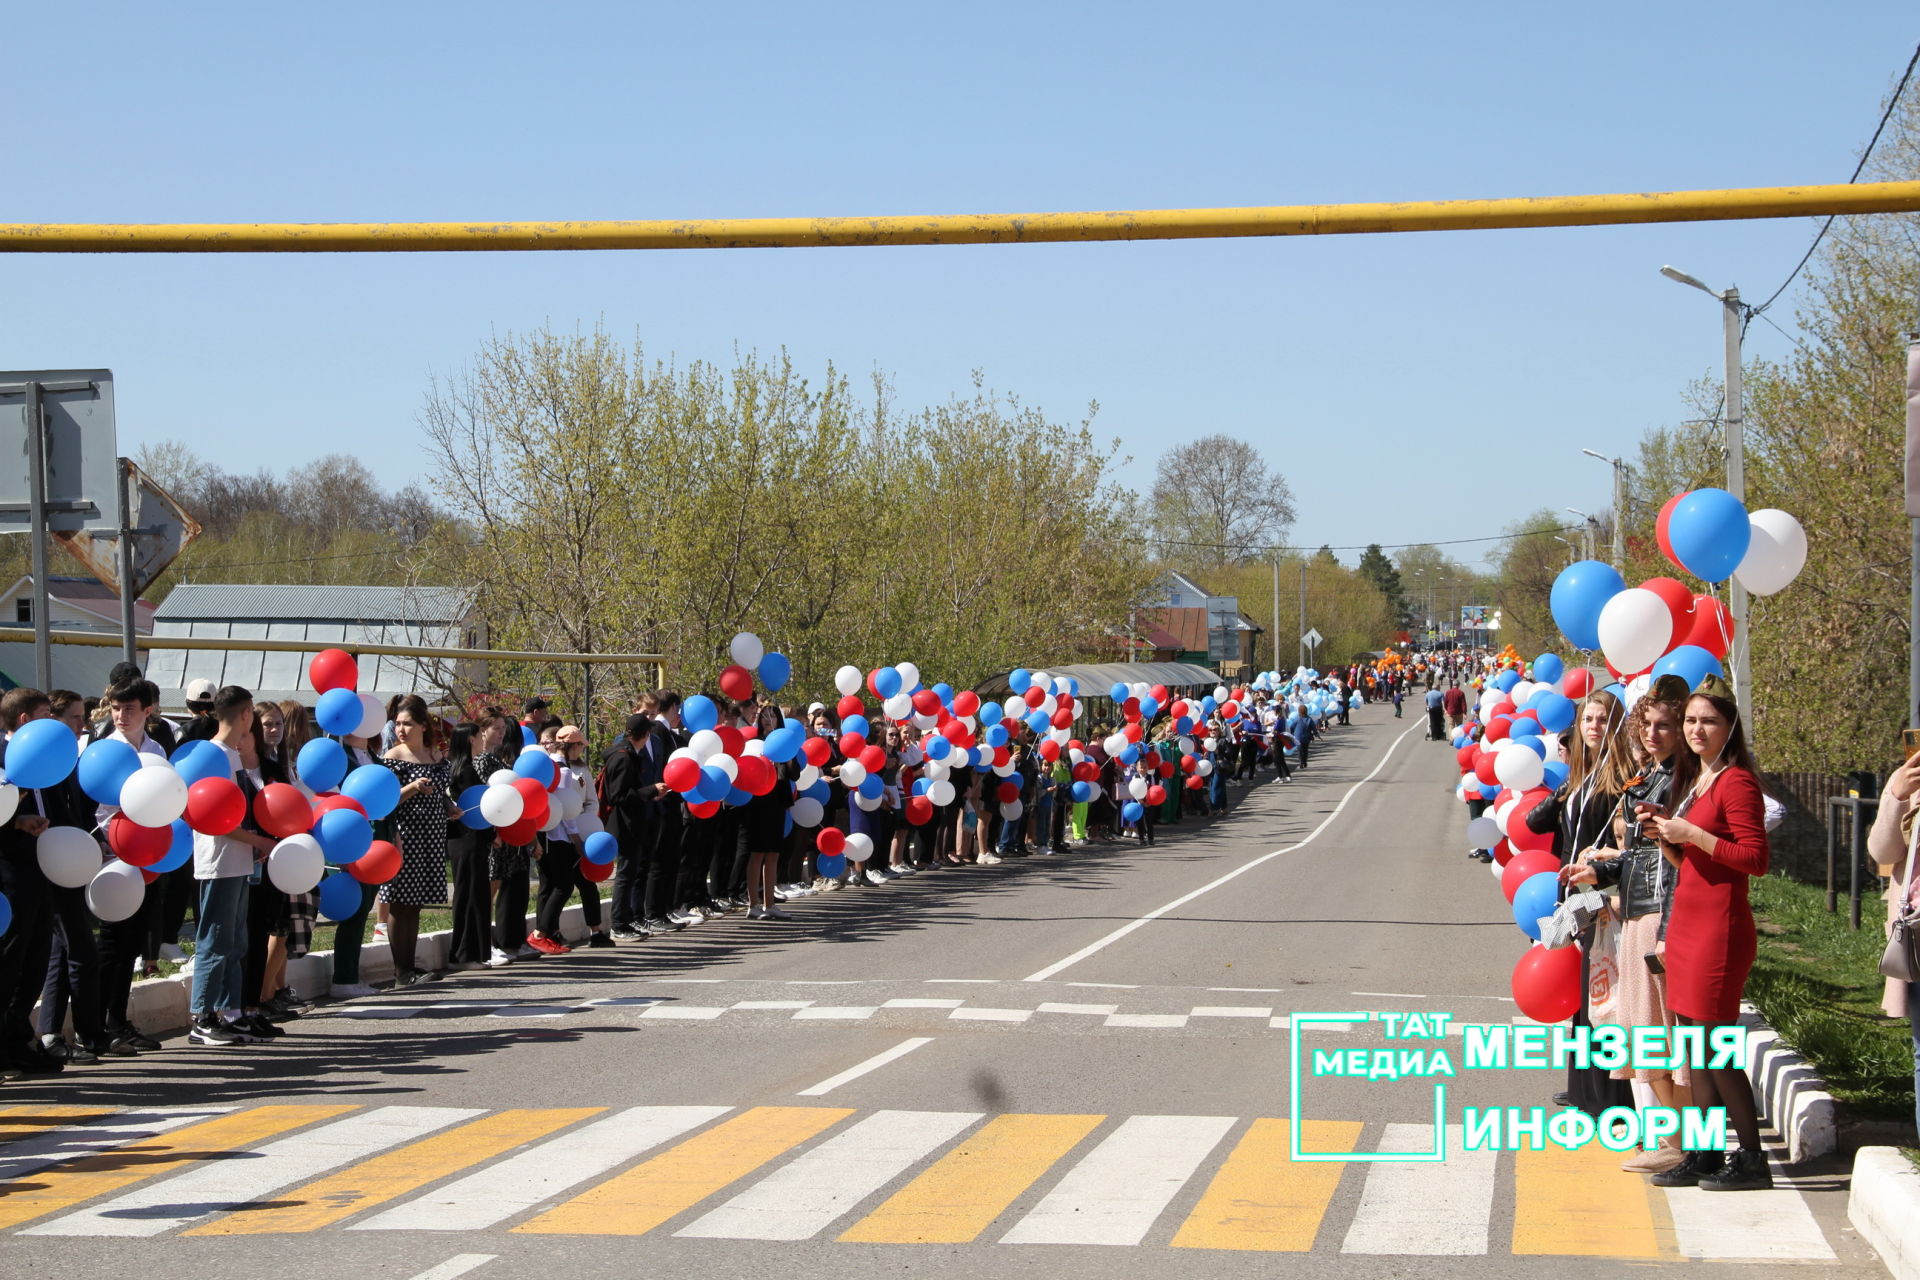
<point>941,792</point>
<point>726,764</point>
<point>502,805</point>
<point>1002,770</point>
<point>1137,788</point>
<point>754,747</point>
<point>1501,814</point>
<point>747,650</point>
<point>1776,552</point>
<point>1016,707</point>
<point>501,778</point>
<point>859,847</point>
<point>116,892</point>
<point>934,770</point>
<point>154,797</point>
<point>68,856</point>
<point>150,761</point>
<point>705,745</point>
<point>853,773</point>
<point>867,803</point>
<point>1517,767</point>
<point>1635,628</point>
<point>1204,768</point>
<point>296,864</point>
<point>588,823</point>
<point>909,674</point>
<point>923,723</point>
<point>572,802</point>
<point>554,818</point>
<point>373,722</point>
<point>898,707</point>
<point>10,798</point>
<point>1012,809</point>
<point>809,775</point>
<point>847,680</point>
<point>807,812</point>
<point>1497,869</point>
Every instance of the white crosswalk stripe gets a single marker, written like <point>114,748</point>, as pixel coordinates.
<point>1774,1224</point>
<point>1115,1194</point>
<point>66,1142</point>
<point>1439,1208</point>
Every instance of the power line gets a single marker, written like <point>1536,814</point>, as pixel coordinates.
<point>1826,226</point>
<point>1362,546</point>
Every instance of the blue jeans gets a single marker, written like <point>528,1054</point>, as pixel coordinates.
<point>220,947</point>
<point>1010,830</point>
<point>1913,1015</point>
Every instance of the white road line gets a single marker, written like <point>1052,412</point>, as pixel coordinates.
<point>990,1015</point>
<point>1440,1208</point>
<point>1104,986</point>
<point>1250,991</point>
<point>823,982</point>
<point>219,1186</point>
<point>1776,1225</point>
<point>923,1004</point>
<point>1145,1020</point>
<point>684,1012</point>
<point>1092,1010</point>
<point>1391,995</point>
<point>1115,1193</point>
<point>1231,1011</point>
<point>803,1197</point>
<point>835,1012</point>
<point>773,1004</point>
<point>984,982</point>
<point>623,1002</point>
<point>499,1191</point>
<point>458,1265</point>
<point>536,1011</point>
<point>1125,929</point>
<point>688,981</point>
<point>874,1063</point>
<point>70,1141</point>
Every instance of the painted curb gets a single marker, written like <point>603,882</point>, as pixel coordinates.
<point>1883,1204</point>
<point>1791,1097</point>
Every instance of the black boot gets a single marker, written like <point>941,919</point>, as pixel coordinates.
<point>1689,1172</point>
<point>1744,1170</point>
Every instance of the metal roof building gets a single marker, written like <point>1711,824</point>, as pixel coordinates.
<point>325,617</point>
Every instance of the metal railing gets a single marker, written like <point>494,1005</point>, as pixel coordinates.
<point>1859,813</point>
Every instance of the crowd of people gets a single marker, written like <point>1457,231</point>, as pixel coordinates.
<point>62,968</point>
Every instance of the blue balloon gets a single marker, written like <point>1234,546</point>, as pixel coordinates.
<point>920,786</point>
<point>1618,690</point>
<point>886,682</point>
<point>736,797</point>
<point>1019,680</point>
<point>995,735</point>
<point>1556,711</point>
<point>775,671</point>
<point>1131,754</point>
<point>470,815</point>
<point>1547,668</point>
<point>821,790</point>
<point>180,852</point>
<point>1149,708</point>
<point>1534,742</point>
<point>104,767</point>
<point>938,748</point>
<point>1133,811</point>
<point>1119,692</point>
<point>1709,533</point>
<point>344,835</point>
<point>528,738</point>
<point>1083,792</point>
<point>6,915</point>
<point>1489,791</point>
<point>339,896</point>
<point>857,724</point>
<point>601,848</point>
<point>1579,594</point>
<point>698,712</point>
<point>944,692</point>
<point>194,761</point>
<point>338,712</point>
<point>831,865</point>
<point>872,786</point>
<point>1505,681</point>
<point>376,787</point>
<point>1038,722</point>
<point>321,764</point>
<point>991,713</point>
<point>1537,897</point>
<point>1556,774</point>
<point>42,753</point>
<point>715,784</point>
<point>1690,662</point>
<point>783,744</point>
<point>535,764</point>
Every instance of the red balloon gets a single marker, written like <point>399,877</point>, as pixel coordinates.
<point>682,774</point>
<point>325,802</point>
<point>705,809</point>
<point>1483,769</point>
<point>215,806</point>
<point>817,751</point>
<point>1577,683</point>
<point>520,833</point>
<point>830,841</point>
<point>1001,756</point>
<point>1195,783</point>
<point>1546,983</point>
<point>852,744</point>
<point>139,846</point>
<point>534,813</point>
<point>756,775</point>
<point>736,682</point>
<point>1497,729</point>
<point>1159,693</point>
<point>1712,627</point>
<point>1465,755</point>
<point>1049,750</point>
<point>1133,733</point>
<point>1008,791</point>
<point>1063,719</point>
<point>596,872</point>
<point>1530,841</point>
<point>148,877</point>
<point>1188,764</point>
<point>1678,598</point>
<point>1660,530</point>
<point>1086,771</point>
<point>1035,695</point>
<point>919,810</point>
<point>1524,866</point>
<point>1156,796</point>
<point>379,864</point>
<point>1229,709</point>
<point>966,702</point>
<point>926,702</point>
<point>873,758</point>
<point>851,706</point>
<point>731,739</point>
<point>280,810</point>
<point>333,669</point>
<point>1502,852</point>
<point>1166,769</point>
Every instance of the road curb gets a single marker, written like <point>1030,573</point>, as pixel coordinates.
<point>1791,1097</point>
<point>1883,1204</point>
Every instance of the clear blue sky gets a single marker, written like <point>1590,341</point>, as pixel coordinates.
<point>1411,387</point>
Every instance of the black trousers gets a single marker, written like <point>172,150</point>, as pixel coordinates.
<point>559,877</point>
<point>510,910</point>
<point>177,891</point>
<point>121,943</point>
<point>470,943</point>
<point>266,915</point>
<point>1436,725</point>
<point>73,969</point>
<point>663,891</point>
<point>23,949</point>
<point>637,838</point>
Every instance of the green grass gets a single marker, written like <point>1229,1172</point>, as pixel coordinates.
<point>1817,982</point>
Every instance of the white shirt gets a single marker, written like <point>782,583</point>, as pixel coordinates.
<point>222,857</point>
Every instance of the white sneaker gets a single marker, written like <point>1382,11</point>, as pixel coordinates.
<point>380,932</point>
<point>169,951</point>
<point>874,877</point>
<point>350,990</point>
<point>903,870</point>
<point>499,959</point>
<point>991,860</point>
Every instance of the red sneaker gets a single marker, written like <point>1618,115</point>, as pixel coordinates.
<point>547,946</point>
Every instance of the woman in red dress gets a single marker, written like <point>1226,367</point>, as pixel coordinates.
<point>1713,830</point>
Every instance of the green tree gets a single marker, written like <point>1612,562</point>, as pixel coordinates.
<point>1377,569</point>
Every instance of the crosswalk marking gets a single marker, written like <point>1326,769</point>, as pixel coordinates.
<point>29,1154</point>
<point>1260,1199</point>
<point>30,1122</point>
<point>222,1185</point>
<point>70,1184</point>
<point>1232,1011</point>
<point>922,1004</point>
<point>1775,1225</point>
<point>1581,1204</point>
<point>965,1190</point>
<point>829,1012</point>
<point>1114,1195</point>
<point>687,1012</point>
<point>1163,1020</point>
<point>1091,1010</point>
<point>679,1178</point>
<point>386,1177</point>
<point>514,1185</point>
<point>990,1015</point>
<point>1438,1208</point>
<point>803,1198</point>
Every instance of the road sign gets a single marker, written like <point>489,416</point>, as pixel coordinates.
<point>77,407</point>
<point>161,530</point>
<point>1312,639</point>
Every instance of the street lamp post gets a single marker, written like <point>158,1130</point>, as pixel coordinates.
<point>1587,532</point>
<point>1619,507</point>
<point>1733,315</point>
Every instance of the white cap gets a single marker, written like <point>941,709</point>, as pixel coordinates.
<point>200,690</point>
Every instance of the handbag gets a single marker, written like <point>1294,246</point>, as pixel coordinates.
<point>1901,959</point>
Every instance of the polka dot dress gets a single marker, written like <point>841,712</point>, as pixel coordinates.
<point>422,823</point>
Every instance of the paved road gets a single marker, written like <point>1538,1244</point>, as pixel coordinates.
<point>1064,1066</point>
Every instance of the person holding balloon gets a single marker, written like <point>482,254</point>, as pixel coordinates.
<point>130,703</point>
<point>763,828</point>
<point>1715,828</point>
<point>469,838</point>
<point>37,759</point>
<point>421,830</point>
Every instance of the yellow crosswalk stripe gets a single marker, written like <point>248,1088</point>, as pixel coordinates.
<point>682,1176</point>
<point>67,1185</point>
<point>1581,1203</point>
<point>31,1122</point>
<point>959,1196</point>
<point>1261,1199</point>
<point>387,1177</point>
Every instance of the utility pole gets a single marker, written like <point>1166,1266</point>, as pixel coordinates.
<point>1303,610</point>
<point>1276,608</point>
<point>1731,319</point>
<point>1913,519</point>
